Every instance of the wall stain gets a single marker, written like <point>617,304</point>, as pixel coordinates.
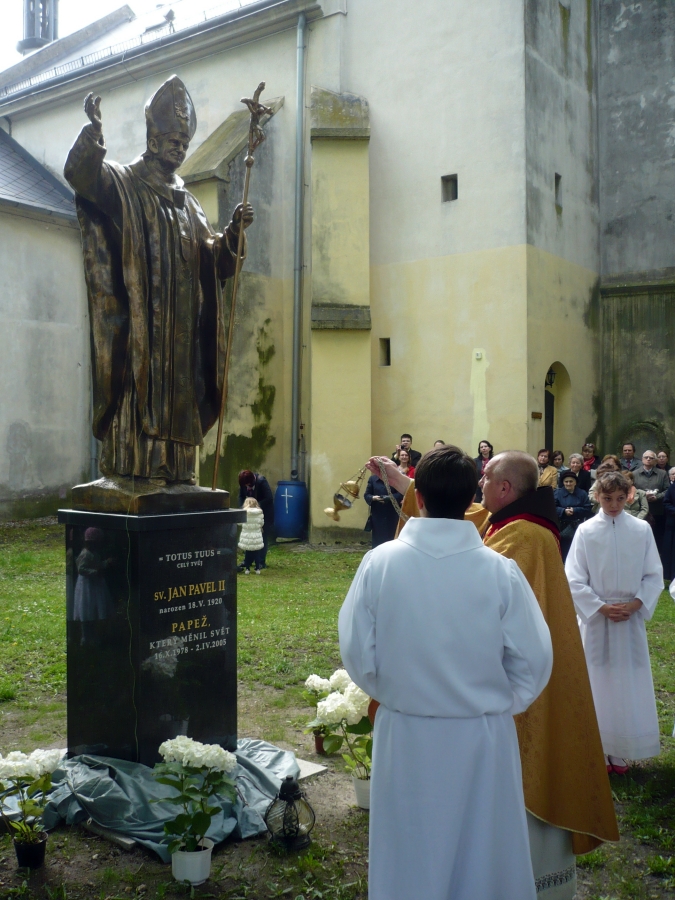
<point>565,23</point>
<point>242,451</point>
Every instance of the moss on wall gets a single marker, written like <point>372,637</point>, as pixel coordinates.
<point>637,368</point>
<point>248,451</point>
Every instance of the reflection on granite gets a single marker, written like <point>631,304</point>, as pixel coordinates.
<point>151,632</point>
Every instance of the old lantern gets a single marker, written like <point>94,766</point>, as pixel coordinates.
<point>289,817</point>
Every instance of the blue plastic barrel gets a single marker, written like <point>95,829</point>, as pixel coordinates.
<point>291,507</point>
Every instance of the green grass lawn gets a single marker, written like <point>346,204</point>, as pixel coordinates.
<point>287,629</point>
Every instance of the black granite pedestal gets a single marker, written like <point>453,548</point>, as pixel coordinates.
<point>151,630</point>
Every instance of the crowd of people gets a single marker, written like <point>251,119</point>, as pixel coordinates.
<point>650,491</point>
<point>435,631</point>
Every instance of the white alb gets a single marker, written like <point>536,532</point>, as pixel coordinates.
<point>449,637</point>
<point>616,560</point>
<point>251,537</point>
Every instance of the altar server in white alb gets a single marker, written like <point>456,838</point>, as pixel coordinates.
<point>447,635</point>
<point>616,576</point>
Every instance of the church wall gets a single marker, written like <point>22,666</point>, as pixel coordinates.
<point>446,92</point>
<point>465,305</point>
<point>637,328</point>
<point>560,298</point>
<point>636,311</point>
<point>44,366</point>
<point>637,137</point>
<point>339,360</point>
<point>562,214</point>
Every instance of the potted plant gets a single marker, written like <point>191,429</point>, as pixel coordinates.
<point>29,779</point>
<point>316,688</point>
<point>342,714</point>
<point>197,772</point>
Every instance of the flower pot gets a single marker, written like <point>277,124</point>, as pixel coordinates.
<point>193,866</point>
<point>31,856</point>
<point>362,791</point>
<point>318,743</point>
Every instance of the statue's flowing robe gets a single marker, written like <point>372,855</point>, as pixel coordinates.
<point>154,270</point>
<point>448,636</point>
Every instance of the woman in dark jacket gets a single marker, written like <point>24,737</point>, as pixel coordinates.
<point>669,534</point>
<point>485,454</point>
<point>383,516</point>
<point>252,484</point>
<point>573,508</point>
<point>576,463</point>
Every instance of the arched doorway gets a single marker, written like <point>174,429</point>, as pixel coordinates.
<point>558,428</point>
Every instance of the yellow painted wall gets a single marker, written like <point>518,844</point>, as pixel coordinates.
<point>559,293</point>
<point>339,360</point>
<point>439,313</point>
<point>340,222</point>
<point>522,310</point>
<point>207,194</point>
<point>340,421</point>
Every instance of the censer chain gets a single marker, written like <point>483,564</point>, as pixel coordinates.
<point>394,501</point>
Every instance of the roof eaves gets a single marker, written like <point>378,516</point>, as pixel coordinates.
<point>43,172</point>
<point>36,211</point>
<point>238,26</point>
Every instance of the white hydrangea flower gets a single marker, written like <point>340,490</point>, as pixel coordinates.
<point>19,765</point>
<point>358,699</point>
<point>189,752</point>
<point>317,684</point>
<point>174,750</point>
<point>339,680</point>
<point>333,709</point>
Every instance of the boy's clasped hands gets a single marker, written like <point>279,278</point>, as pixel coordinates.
<point>620,612</point>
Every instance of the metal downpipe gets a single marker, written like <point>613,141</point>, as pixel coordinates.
<point>298,254</point>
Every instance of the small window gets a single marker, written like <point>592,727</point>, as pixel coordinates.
<point>449,188</point>
<point>385,351</point>
<point>558,190</point>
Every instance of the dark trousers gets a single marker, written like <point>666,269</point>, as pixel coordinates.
<point>668,554</point>
<point>254,558</point>
<point>658,528</point>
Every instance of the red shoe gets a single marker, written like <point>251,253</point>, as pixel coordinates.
<point>619,769</point>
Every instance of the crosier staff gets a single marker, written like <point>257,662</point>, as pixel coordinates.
<point>255,138</point>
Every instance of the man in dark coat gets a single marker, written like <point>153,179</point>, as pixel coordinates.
<point>253,484</point>
<point>154,270</point>
<point>654,482</point>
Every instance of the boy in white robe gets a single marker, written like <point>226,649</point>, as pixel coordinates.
<point>447,635</point>
<point>616,577</point>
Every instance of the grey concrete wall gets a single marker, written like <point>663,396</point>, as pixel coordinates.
<point>560,129</point>
<point>637,138</point>
<point>44,365</point>
<point>637,336</point>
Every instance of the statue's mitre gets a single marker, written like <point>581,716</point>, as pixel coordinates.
<point>171,109</point>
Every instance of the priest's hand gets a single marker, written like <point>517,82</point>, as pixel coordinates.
<point>92,108</point>
<point>397,480</point>
<point>244,213</point>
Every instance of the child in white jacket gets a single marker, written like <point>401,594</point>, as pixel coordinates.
<point>251,537</point>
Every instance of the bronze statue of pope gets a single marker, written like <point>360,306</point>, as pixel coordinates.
<point>154,269</point>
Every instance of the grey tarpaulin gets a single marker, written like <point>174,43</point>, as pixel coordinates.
<point>117,794</point>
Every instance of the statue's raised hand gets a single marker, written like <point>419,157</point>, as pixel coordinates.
<point>92,108</point>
